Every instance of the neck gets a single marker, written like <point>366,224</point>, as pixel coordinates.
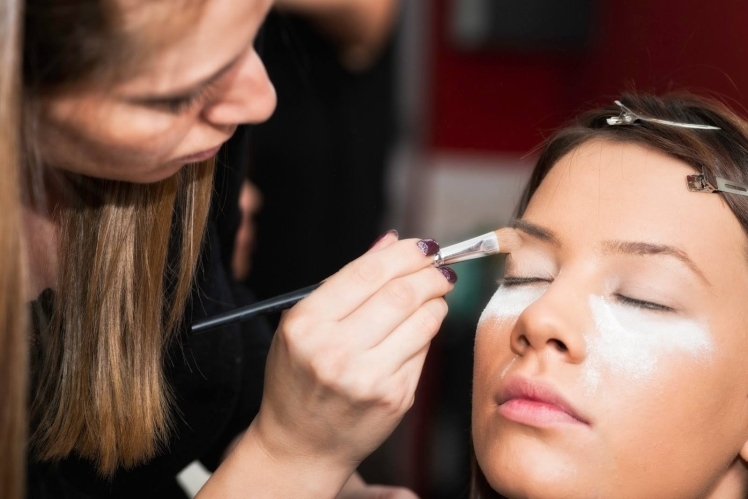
<point>40,237</point>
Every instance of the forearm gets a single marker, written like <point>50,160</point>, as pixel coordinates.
<point>360,28</point>
<point>251,471</point>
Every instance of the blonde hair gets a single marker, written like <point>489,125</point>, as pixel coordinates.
<point>127,254</point>
<point>101,388</point>
<point>13,338</point>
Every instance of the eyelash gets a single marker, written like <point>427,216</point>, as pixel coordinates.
<point>178,105</point>
<point>519,281</point>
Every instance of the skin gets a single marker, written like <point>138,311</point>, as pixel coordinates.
<point>345,362</point>
<point>681,430</point>
<point>115,132</point>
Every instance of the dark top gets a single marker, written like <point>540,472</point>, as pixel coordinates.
<point>320,160</point>
<point>217,380</point>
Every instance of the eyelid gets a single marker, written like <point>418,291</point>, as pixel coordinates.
<point>644,304</point>
<point>626,300</point>
<point>180,103</point>
<point>518,281</point>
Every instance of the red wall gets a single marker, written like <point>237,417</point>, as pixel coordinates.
<point>501,101</point>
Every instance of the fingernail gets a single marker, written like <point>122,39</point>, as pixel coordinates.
<point>392,231</point>
<point>450,274</point>
<point>428,246</point>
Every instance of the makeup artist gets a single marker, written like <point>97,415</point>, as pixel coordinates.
<point>111,113</point>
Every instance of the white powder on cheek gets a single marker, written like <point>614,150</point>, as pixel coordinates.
<point>510,302</point>
<point>631,343</point>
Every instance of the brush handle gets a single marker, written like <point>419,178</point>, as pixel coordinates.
<point>477,247</point>
<point>242,314</point>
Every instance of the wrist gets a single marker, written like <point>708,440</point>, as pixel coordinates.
<point>271,468</point>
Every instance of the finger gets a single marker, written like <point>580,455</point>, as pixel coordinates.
<point>411,337</point>
<point>347,290</point>
<point>387,239</point>
<point>399,391</point>
<point>394,304</point>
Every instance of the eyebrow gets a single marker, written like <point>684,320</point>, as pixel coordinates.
<point>615,246</point>
<point>191,89</point>
<point>644,249</point>
<point>538,232</point>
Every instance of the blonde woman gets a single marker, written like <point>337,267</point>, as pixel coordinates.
<point>111,112</point>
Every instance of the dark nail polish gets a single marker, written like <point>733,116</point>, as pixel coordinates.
<point>392,231</point>
<point>450,274</point>
<point>428,246</point>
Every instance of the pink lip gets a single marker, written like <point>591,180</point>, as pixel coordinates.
<point>200,156</point>
<point>536,404</point>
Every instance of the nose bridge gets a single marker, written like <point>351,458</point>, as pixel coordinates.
<point>249,96</point>
<point>559,321</point>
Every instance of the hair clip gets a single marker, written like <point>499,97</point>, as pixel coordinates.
<point>628,117</point>
<point>701,183</point>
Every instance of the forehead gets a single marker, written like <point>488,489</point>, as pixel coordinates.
<point>181,42</point>
<point>606,190</point>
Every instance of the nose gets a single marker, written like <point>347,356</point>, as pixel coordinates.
<point>554,325</point>
<point>249,96</point>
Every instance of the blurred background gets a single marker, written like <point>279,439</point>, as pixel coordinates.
<point>429,128</point>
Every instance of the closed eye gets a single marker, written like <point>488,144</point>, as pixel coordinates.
<point>647,305</point>
<point>178,105</point>
<point>519,281</point>
<point>181,103</point>
<point>626,300</point>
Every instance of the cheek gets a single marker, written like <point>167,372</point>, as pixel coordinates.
<point>509,302</point>
<point>493,355</point>
<point>141,132</point>
<point>118,130</point>
<point>638,346</point>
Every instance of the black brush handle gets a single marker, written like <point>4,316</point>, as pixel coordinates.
<point>242,314</point>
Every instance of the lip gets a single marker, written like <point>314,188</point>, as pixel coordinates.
<point>200,156</point>
<point>536,404</point>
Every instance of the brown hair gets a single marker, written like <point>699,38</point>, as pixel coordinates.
<point>100,388</point>
<point>722,153</point>
<point>13,341</point>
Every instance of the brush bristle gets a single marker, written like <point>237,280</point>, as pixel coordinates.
<point>509,240</point>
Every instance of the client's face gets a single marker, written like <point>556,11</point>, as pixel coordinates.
<point>612,361</point>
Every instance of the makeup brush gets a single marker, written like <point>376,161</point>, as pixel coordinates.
<point>503,240</point>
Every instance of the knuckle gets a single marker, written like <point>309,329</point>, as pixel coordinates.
<point>366,271</point>
<point>431,318</point>
<point>294,325</point>
<point>329,368</point>
<point>391,402</point>
<point>401,295</point>
<point>361,389</point>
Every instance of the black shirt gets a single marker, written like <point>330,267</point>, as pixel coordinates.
<point>320,160</point>
<point>217,380</point>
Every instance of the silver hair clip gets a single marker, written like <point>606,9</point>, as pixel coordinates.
<point>707,183</point>
<point>628,117</point>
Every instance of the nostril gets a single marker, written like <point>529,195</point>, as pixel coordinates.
<point>523,341</point>
<point>560,346</point>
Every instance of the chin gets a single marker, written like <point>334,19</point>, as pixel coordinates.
<point>152,175</point>
<point>524,467</point>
